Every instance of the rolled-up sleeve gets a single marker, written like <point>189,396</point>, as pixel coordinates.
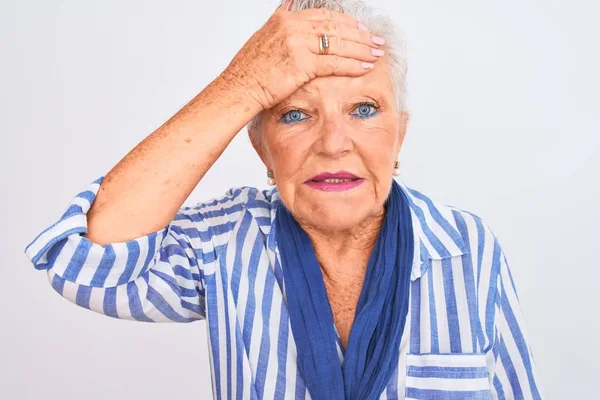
<point>153,278</point>
<point>515,373</point>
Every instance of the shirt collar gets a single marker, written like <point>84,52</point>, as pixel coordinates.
<point>435,230</point>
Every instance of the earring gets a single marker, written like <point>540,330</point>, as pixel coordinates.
<point>271,180</point>
<point>396,168</point>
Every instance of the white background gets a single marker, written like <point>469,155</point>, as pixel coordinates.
<point>504,102</point>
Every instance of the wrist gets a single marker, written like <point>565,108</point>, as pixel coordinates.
<point>245,89</point>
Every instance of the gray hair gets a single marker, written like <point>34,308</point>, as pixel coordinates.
<point>379,24</point>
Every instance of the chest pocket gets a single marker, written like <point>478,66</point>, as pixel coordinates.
<point>447,376</point>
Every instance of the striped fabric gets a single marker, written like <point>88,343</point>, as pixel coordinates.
<point>464,336</point>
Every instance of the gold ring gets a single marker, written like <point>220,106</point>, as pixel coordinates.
<point>323,44</point>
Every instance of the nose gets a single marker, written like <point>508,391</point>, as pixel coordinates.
<point>334,140</point>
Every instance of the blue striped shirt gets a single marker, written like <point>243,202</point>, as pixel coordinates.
<point>219,261</point>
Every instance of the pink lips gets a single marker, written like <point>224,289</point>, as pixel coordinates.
<point>318,181</point>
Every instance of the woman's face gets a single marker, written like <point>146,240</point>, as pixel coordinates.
<point>331,125</point>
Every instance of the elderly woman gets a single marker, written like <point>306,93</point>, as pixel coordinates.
<point>339,282</point>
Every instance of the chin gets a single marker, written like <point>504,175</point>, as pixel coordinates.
<point>335,217</point>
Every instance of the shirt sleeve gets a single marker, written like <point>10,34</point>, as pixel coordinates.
<point>154,278</point>
<point>515,373</point>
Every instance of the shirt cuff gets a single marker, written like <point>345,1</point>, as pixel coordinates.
<point>64,247</point>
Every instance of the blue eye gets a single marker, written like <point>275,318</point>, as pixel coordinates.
<point>366,110</point>
<point>292,116</point>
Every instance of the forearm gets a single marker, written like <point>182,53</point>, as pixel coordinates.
<point>144,191</point>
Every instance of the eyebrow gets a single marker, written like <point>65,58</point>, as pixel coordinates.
<point>372,91</point>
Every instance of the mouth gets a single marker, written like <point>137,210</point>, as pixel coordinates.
<point>334,177</point>
<point>338,181</point>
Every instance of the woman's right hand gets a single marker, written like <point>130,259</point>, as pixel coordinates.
<point>284,54</point>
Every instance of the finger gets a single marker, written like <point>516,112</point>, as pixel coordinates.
<point>335,29</point>
<point>341,66</point>
<point>345,48</point>
<point>325,14</point>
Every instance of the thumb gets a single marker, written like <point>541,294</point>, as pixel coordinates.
<point>285,5</point>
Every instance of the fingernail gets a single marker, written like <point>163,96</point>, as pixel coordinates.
<point>367,65</point>
<point>377,52</point>
<point>378,40</point>
<point>362,27</point>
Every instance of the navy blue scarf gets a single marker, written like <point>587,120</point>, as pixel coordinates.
<point>373,346</point>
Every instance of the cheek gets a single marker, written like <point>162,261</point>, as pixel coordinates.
<point>379,131</point>
<point>376,146</point>
<point>289,155</point>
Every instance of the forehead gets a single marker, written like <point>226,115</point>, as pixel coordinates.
<point>376,82</point>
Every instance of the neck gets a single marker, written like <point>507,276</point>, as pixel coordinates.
<point>344,254</point>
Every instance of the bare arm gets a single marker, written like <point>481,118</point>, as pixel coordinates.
<point>144,191</point>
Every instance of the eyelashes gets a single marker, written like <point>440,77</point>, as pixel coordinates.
<point>371,109</point>
<point>365,110</point>
<point>292,117</point>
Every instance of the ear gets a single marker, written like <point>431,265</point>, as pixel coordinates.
<point>403,119</point>
<point>259,145</point>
